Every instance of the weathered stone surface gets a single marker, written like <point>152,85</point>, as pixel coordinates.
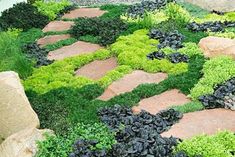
<point>206,121</point>
<point>51,39</point>
<point>84,12</point>
<point>75,49</point>
<point>58,26</point>
<point>215,46</point>
<point>131,81</point>
<point>15,111</point>
<point>97,69</point>
<point>22,143</point>
<point>161,102</point>
<point>218,5</point>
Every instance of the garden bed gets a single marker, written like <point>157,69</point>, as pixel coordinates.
<point>119,80</point>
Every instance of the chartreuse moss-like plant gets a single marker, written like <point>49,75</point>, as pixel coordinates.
<point>60,146</point>
<point>221,144</point>
<point>228,33</point>
<point>61,73</point>
<point>230,16</point>
<point>132,50</point>
<point>216,71</point>
<point>51,8</point>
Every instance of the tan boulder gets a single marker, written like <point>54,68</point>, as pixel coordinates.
<point>23,143</point>
<point>215,46</point>
<point>218,5</point>
<point>15,109</point>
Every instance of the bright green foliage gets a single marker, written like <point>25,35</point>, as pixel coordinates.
<point>133,49</point>
<point>89,38</point>
<point>113,11</point>
<point>230,16</point>
<point>211,17</point>
<point>216,71</point>
<point>60,44</point>
<point>30,36</point>
<point>177,13</point>
<point>51,8</point>
<point>189,107</point>
<point>194,10</point>
<point>61,73</point>
<point>228,33</point>
<point>221,144</point>
<point>190,36</point>
<point>59,146</point>
<point>11,56</point>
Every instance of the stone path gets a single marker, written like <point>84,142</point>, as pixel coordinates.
<point>58,26</point>
<point>75,49</point>
<point>51,39</point>
<point>84,12</point>
<point>161,102</point>
<point>97,69</point>
<point>131,81</point>
<point>206,121</point>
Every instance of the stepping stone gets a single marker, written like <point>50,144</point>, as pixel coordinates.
<point>58,26</point>
<point>203,122</point>
<point>84,12</point>
<point>51,39</point>
<point>97,69</point>
<point>131,81</point>
<point>75,49</point>
<point>161,102</point>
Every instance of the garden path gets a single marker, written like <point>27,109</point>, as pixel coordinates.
<point>84,12</point>
<point>51,39</point>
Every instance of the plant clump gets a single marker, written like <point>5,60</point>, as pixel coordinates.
<point>173,57</point>
<point>139,135</point>
<point>172,39</point>
<point>24,16</point>
<point>216,26</point>
<point>223,96</point>
<point>33,51</point>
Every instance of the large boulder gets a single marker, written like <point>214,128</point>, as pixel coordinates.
<point>23,143</point>
<point>215,46</point>
<point>15,109</point>
<point>218,5</point>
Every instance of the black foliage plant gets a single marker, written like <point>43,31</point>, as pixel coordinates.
<point>23,16</point>
<point>33,51</point>
<point>139,9</point>
<point>106,30</point>
<point>223,96</point>
<point>216,26</point>
<point>172,39</point>
<point>173,57</point>
<point>139,135</point>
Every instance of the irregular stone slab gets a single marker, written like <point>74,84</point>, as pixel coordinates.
<point>16,112</point>
<point>206,121</point>
<point>218,5</point>
<point>75,49</point>
<point>84,12</point>
<point>58,26</point>
<point>22,143</point>
<point>161,102</point>
<point>215,46</point>
<point>97,69</point>
<point>51,39</point>
<point>131,81</point>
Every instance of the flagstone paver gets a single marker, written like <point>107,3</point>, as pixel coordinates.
<point>75,49</point>
<point>206,121</point>
<point>51,39</point>
<point>84,12</point>
<point>131,81</point>
<point>58,26</point>
<point>97,69</point>
<point>161,102</point>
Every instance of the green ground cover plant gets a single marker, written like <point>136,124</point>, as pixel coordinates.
<point>51,8</point>
<point>61,73</point>
<point>59,146</point>
<point>113,11</point>
<point>29,36</point>
<point>215,71</point>
<point>12,57</point>
<point>189,107</point>
<point>60,44</point>
<point>221,144</point>
<point>23,16</point>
